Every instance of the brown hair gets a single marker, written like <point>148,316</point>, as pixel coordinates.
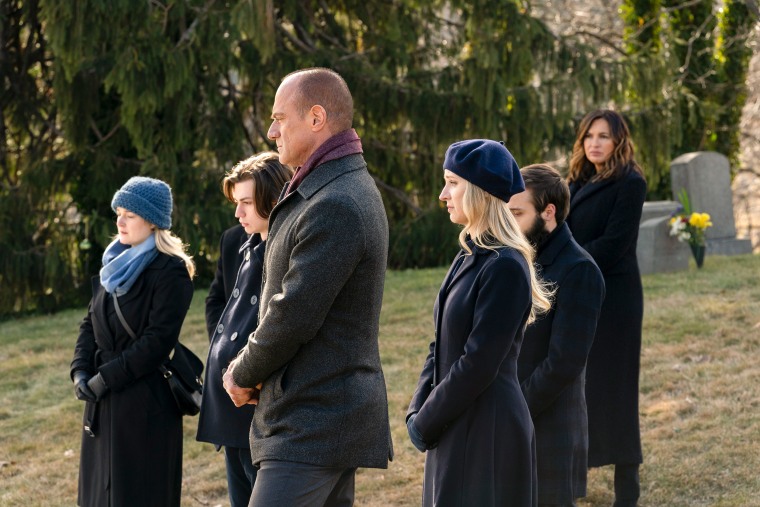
<point>620,163</point>
<point>326,88</point>
<point>269,177</point>
<point>546,187</point>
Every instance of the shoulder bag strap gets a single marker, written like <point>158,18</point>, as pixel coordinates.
<point>122,319</point>
<point>131,333</point>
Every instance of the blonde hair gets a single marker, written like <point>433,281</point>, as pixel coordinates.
<point>168,243</point>
<point>491,225</point>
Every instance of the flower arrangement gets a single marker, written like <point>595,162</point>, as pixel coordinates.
<point>689,227</point>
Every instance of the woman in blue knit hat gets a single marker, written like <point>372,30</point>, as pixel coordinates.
<point>132,432</point>
<point>468,412</point>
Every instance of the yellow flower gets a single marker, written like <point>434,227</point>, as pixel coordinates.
<point>700,220</point>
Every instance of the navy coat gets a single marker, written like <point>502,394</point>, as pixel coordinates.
<point>227,266</point>
<point>551,367</point>
<point>604,219</point>
<point>220,422</point>
<point>468,399</point>
<point>136,456</point>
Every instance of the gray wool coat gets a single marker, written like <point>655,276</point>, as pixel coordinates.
<point>323,399</point>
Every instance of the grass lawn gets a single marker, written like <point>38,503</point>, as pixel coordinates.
<point>700,396</point>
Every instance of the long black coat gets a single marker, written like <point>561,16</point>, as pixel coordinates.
<point>468,399</point>
<point>604,219</point>
<point>220,422</point>
<point>551,367</point>
<point>136,455</point>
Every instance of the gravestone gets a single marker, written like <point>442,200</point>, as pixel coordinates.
<point>706,177</point>
<point>657,251</point>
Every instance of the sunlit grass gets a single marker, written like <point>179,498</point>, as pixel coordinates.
<point>700,396</point>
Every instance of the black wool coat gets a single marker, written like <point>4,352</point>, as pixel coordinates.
<point>604,219</point>
<point>468,399</point>
<point>136,456</point>
<point>551,367</point>
<point>220,421</point>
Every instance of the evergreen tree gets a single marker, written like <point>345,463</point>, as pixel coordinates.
<point>96,91</point>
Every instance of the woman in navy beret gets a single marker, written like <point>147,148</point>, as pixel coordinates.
<point>132,432</point>
<point>607,191</point>
<point>468,412</point>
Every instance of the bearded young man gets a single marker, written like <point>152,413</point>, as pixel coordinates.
<point>551,365</point>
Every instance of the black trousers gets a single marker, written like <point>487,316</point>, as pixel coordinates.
<point>241,475</point>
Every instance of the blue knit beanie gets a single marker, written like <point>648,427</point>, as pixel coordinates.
<point>147,197</point>
<point>486,164</point>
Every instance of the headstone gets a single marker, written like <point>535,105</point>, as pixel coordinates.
<point>656,250</point>
<point>653,209</point>
<point>706,177</point>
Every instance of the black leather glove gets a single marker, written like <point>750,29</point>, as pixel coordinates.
<point>98,386</point>
<point>414,434</point>
<point>81,390</point>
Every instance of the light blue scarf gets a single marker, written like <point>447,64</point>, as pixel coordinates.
<point>122,264</point>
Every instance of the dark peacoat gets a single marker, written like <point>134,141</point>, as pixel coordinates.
<point>220,422</point>
<point>227,266</point>
<point>323,401</point>
<point>468,399</point>
<point>604,219</point>
<point>551,367</point>
<point>135,457</point>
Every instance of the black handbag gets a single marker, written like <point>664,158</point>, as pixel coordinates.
<point>182,371</point>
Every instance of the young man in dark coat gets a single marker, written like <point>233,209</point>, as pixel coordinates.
<point>313,364</point>
<point>253,185</point>
<point>551,365</point>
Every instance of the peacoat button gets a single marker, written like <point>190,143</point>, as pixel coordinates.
<point>234,336</point>
<point>254,300</point>
<point>220,328</point>
<point>235,292</point>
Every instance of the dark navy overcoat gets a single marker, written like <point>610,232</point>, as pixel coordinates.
<point>468,400</point>
<point>221,422</point>
<point>604,219</point>
<point>551,367</point>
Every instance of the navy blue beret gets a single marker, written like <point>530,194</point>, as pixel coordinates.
<point>486,164</point>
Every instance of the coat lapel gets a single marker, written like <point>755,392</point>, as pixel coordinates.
<point>587,190</point>
<point>554,245</point>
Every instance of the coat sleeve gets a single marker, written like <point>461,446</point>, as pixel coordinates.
<point>84,350</point>
<point>425,383</point>
<point>622,225</point>
<point>329,246</point>
<point>168,306</point>
<point>217,294</point>
<point>576,310</point>
<point>501,306</point>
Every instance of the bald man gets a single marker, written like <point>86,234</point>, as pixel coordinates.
<point>322,405</point>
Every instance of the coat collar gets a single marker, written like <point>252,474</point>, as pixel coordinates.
<point>581,193</point>
<point>554,245</point>
<point>319,177</point>
<point>465,263</point>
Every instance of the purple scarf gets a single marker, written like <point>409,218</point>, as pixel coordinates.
<point>338,146</point>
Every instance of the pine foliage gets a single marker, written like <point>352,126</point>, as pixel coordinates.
<point>97,91</point>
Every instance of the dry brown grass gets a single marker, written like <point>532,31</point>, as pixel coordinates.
<point>700,397</point>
